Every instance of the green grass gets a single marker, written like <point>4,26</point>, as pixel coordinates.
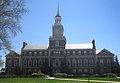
<point>99,78</point>
<point>35,80</point>
<point>42,80</point>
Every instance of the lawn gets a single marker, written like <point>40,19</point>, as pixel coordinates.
<point>36,80</point>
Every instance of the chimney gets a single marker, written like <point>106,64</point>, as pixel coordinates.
<point>93,42</point>
<point>24,44</point>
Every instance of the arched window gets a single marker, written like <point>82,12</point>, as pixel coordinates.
<point>91,62</point>
<point>35,62</point>
<point>79,62</point>
<point>29,62</point>
<point>74,62</point>
<point>24,62</point>
<point>56,63</point>
<point>68,62</point>
<point>85,62</point>
<point>40,62</point>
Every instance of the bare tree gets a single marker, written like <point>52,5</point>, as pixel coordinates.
<point>1,62</point>
<point>11,12</point>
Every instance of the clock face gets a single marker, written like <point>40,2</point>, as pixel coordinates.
<point>57,31</point>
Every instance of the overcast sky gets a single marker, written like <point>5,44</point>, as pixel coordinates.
<point>83,21</point>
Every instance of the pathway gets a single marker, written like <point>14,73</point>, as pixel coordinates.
<point>82,80</point>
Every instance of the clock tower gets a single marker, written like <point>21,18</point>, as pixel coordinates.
<point>57,40</point>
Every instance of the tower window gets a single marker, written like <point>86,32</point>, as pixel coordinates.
<point>56,43</point>
<point>56,52</point>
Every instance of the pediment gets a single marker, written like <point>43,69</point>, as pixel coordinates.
<point>12,53</point>
<point>105,52</point>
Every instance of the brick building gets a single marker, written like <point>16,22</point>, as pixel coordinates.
<point>80,58</point>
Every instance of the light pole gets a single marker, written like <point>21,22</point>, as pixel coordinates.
<point>88,73</point>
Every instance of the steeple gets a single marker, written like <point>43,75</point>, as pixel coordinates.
<point>58,10</point>
<point>58,17</point>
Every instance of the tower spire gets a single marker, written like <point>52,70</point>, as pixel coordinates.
<point>58,17</point>
<point>58,10</point>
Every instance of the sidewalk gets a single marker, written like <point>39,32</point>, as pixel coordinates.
<point>83,80</point>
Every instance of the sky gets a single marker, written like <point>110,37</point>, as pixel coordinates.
<point>83,21</point>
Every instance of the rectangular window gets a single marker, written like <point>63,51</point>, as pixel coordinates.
<point>68,52</point>
<point>74,52</point>
<point>91,71</point>
<point>35,53</point>
<point>40,53</point>
<point>74,70</point>
<point>90,52</point>
<point>45,53</point>
<point>108,61</point>
<point>25,53</point>
<point>30,53</point>
<point>25,62</point>
<point>79,52</point>
<point>85,70</point>
<point>79,70</point>
<point>85,52</point>
<point>56,52</point>
<point>10,62</point>
<point>15,63</point>
<point>101,61</point>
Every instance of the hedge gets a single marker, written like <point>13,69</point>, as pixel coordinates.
<point>60,75</point>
